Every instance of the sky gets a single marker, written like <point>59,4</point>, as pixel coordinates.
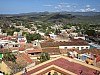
<point>27,6</point>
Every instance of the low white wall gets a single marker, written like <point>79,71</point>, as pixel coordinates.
<point>72,47</point>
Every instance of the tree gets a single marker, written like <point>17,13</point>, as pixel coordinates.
<point>28,26</point>
<point>24,33</point>
<point>3,30</point>
<point>9,57</point>
<point>37,36</point>
<point>66,27</point>
<point>17,29</point>
<point>10,32</point>
<point>31,37</point>
<point>57,31</point>
<point>44,57</point>
<point>47,33</point>
<point>90,32</point>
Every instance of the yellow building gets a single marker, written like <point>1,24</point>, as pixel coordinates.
<point>4,68</point>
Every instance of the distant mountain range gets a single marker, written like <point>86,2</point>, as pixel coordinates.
<point>53,17</point>
<point>45,13</point>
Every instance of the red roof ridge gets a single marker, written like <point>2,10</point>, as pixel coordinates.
<point>54,68</point>
<point>66,63</point>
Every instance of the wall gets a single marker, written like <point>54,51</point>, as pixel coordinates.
<point>72,47</point>
<point>79,38</point>
<point>52,72</point>
<point>4,68</point>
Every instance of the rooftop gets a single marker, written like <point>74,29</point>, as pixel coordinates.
<point>52,50</point>
<point>91,50</point>
<point>57,44</point>
<point>63,65</point>
<point>34,50</point>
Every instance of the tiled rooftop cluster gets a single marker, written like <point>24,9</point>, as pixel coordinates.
<point>57,44</point>
<point>71,65</point>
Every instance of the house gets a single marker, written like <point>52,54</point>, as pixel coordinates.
<point>22,40</point>
<point>91,50</point>
<point>94,53</point>
<point>66,45</point>
<point>34,51</point>
<point>80,37</point>
<point>74,34</point>
<point>5,68</point>
<point>52,51</point>
<point>73,45</point>
<point>22,61</point>
<point>62,65</point>
<point>53,36</point>
<point>15,33</point>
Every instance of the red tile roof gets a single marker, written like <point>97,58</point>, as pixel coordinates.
<point>27,58</point>
<point>28,45</point>
<point>5,50</point>
<point>2,36</point>
<point>57,44</point>
<point>52,50</point>
<point>66,64</point>
<point>21,48</point>
<point>22,40</point>
<point>34,51</point>
<point>64,51</point>
<point>92,50</point>
<point>77,40</point>
<point>98,59</point>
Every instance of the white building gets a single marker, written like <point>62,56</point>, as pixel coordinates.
<point>74,45</point>
<point>22,40</point>
<point>79,38</point>
<point>66,45</point>
<point>53,35</point>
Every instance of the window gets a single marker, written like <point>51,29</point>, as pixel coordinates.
<point>78,47</point>
<point>86,47</point>
<point>82,47</point>
<point>73,47</point>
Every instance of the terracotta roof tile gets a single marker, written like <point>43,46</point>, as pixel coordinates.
<point>51,50</point>
<point>92,50</point>
<point>27,58</point>
<point>21,48</point>
<point>66,64</point>
<point>2,36</point>
<point>57,44</point>
<point>34,51</point>
<point>64,51</point>
<point>77,40</point>
<point>98,59</point>
<point>4,50</point>
<point>26,45</point>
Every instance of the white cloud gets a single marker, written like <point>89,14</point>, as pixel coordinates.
<point>88,6</point>
<point>64,3</point>
<point>87,9</point>
<point>59,5</point>
<point>74,6</point>
<point>48,5</point>
<point>68,6</point>
<point>56,7</point>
